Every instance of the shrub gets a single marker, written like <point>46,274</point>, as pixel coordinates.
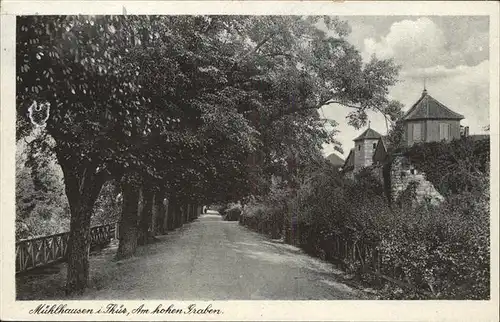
<point>107,208</point>
<point>444,250</point>
<point>264,217</point>
<point>453,166</point>
<point>231,212</point>
<point>440,250</point>
<point>41,204</point>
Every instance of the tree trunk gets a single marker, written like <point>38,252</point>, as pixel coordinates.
<point>146,215</point>
<point>195,211</point>
<point>78,249</point>
<point>179,215</point>
<point>171,215</point>
<point>128,222</point>
<point>166,226</point>
<point>159,213</point>
<point>82,186</point>
<point>185,210</point>
<point>154,217</point>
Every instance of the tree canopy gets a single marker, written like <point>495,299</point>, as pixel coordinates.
<point>204,107</point>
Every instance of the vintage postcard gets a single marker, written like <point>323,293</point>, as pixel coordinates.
<point>254,160</point>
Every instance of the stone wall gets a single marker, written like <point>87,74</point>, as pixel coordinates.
<point>402,173</point>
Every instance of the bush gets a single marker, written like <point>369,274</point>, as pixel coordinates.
<point>452,167</point>
<point>263,217</point>
<point>41,204</point>
<point>267,214</point>
<point>442,250</point>
<point>107,208</point>
<point>231,212</point>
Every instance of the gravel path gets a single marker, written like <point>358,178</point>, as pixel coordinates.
<point>208,259</point>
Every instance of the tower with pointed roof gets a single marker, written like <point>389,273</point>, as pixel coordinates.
<point>364,147</point>
<point>428,120</point>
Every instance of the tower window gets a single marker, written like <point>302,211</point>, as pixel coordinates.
<point>444,131</point>
<point>417,132</point>
<point>374,145</point>
<point>359,147</point>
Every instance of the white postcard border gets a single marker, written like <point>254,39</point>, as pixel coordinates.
<point>242,310</point>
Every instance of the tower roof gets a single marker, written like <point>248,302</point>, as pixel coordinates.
<point>368,134</point>
<point>427,107</point>
<point>335,159</point>
<point>349,161</point>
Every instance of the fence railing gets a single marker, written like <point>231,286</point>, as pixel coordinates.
<point>355,255</point>
<point>45,250</point>
<point>364,256</point>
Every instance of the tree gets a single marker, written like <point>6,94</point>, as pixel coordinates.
<point>173,101</point>
<point>73,64</point>
<point>186,92</point>
<point>41,206</point>
<point>289,69</point>
<point>107,208</point>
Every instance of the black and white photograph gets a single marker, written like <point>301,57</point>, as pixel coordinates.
<point>204,158</point>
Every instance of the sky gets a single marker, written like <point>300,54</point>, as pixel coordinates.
<point>452,52</point>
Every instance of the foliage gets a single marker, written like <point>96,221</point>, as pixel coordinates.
<point>183,102</point>
<point>224,108</point>
<point>41,205</point>
<point>158,79</point>
<point>452,167</point>
<point>231,212</point>
<point>442,250</point>
<point>267,214</point>
<point>395,137</point>
<point>306,69</point>
<point>107,208</point>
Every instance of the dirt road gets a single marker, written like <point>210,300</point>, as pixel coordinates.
<point>208,259</point>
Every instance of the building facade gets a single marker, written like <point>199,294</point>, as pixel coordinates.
<point>364,147</point>
<point>427,120</point>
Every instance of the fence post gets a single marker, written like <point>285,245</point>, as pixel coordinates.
<point>182,215</point>
<point>33,254</point>
<point>192,211</point>
<point>169,219</point>
<point>376,264</point>
<point>117,230</point>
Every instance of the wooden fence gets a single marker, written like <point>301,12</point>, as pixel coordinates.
<point>364,257</point>
<point>45,250</point>
<point>353,254</point>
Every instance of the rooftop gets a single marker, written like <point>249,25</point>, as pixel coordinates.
<point>335,159</point>
<point>368,134</point>
<point>427,107</point>
<point>349,161</point>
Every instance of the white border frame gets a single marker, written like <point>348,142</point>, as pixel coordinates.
<point>243,310</point>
